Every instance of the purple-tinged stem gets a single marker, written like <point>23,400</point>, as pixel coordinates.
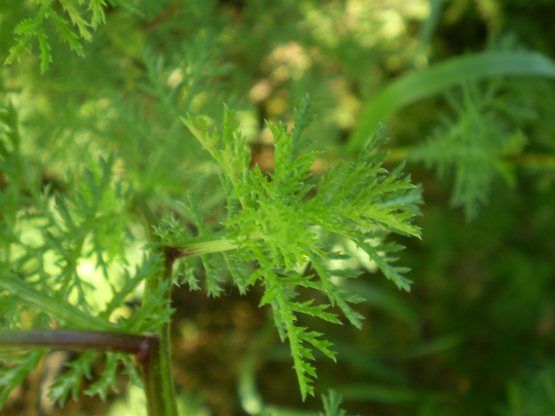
<point>79,341</point>
<point>145,347</point>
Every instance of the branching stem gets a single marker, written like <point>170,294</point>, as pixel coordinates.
<point>145,347</point>
<point>139,345</point>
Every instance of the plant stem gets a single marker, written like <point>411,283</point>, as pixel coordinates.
<point>146,348</point>
<point>139,345</point>
<point>158,375</point>
<point>160,396</point>
<point>159,382</point>
<point>215,243</point>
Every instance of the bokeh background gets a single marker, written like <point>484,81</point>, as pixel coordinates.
<point>476,334</point>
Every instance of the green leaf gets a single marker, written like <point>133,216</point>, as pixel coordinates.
<point>35,28</point>
<point>45,51</point>
<point>336,295</point>
<point>107,380</point>
<point>69,381</point>
<point>67,35</point>
<point>379,253</point>
<point>332,404</point>
<point>283,220</point>
<point>420,84</point>
<point>13,376</point>
<point>66,312</point>
<point>473,143</point>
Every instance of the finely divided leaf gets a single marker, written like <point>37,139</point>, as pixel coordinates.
<point>284,222</point>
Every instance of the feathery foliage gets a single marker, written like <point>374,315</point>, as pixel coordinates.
<point>532,395</point>
<point>332,404</point>
<point>115,222</point>
<point>43,281</point>
<point>284,221</point>
<point>73,21</point>
<point>476,144</point>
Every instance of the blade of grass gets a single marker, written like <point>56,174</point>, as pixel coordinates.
<point>436,78</point>
<point>429,25</point>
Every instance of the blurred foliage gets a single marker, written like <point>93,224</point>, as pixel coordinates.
<point>474,337</point>
<point>533,395</point>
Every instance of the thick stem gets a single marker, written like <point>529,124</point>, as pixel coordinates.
<point>152,355</point>
<point>147,349</point>
<point>158,402</point>
<point>158,374</point>
<point>80,340</point>
<point>159,382</point>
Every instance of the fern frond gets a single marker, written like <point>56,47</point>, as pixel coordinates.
<point>279,221</point>
<point>12,374</point>
<point>301,340</point>
<point>83,18</point>
<point>336,295</point>
<point>107,380</point>
<point>332,404</point>
<point>473,144</point>
<point>212,272</point>
<point>381,254</point>
<point>151,315</point>
<point>96,7</point>
<point>68,383</point>
<point>63,28</point>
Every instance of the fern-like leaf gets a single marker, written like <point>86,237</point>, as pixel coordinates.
<point>473,144</point>
<point>13,374</point>
<point>332,404</point>
<point>283,222</point>
<point>74,13</point>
